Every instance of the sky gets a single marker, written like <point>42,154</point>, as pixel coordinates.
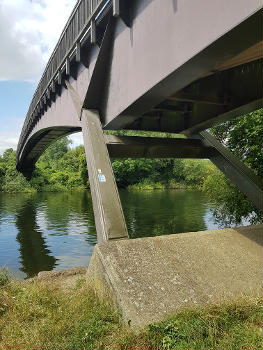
<point>29,31</point>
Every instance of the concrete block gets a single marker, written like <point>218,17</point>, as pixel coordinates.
<point>151,278</point>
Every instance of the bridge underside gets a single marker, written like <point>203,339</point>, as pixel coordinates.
<point>172,66</point>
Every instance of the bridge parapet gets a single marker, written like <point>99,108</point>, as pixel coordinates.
<point>78,29</point>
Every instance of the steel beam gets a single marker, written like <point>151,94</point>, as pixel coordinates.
<point>196,126</point>
<point>93,36</point>
<point>193,99</point>
<point>97,84</point>
<point>109,218</point>
<point>53,91</point>
<point>59,78</point>
<point>67,66</point>
<point>121,9</point>
<point>243,177</point>
<point>154,147</point>
<point>193,54</point>
<point>78,52</point>
<point>75,98</point>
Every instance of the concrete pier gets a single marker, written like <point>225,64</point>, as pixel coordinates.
<point>151,278</point>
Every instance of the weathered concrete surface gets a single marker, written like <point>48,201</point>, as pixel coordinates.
<point>150,278</point>
<point>64,279</point>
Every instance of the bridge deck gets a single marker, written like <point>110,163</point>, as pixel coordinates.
<point>162,81</point>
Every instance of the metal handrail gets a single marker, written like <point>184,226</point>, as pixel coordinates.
<point>77,25</point>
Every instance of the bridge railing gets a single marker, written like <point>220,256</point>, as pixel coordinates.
<point>77,25</point>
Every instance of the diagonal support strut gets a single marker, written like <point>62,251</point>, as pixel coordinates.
<point>109,218</point>
<point>243,177</point>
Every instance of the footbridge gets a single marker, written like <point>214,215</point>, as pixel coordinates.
<point>176,66</point>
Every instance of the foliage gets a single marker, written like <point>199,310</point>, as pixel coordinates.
<point>56,150</point>
<point>229,326</point>
<point>10,179</point>
<point>143,133</point>
<point>196,171</point>
<point>37,316</point>
<point>243,136</point>
<point>230,205</point>
<point>131,171</point>
<point>147,184</point>
<point>61,168</point>
<point>4,276</point>
<point>42,316</point>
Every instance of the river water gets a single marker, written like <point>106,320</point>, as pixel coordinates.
<point>46,231</point>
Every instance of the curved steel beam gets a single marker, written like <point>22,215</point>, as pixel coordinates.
<point>37,144</point>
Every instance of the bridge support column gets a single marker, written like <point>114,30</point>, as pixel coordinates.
<point>109,218</point>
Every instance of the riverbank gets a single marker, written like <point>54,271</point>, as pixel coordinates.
<point>144,186</point>
<point>37,314</point>
<point>149,185</point>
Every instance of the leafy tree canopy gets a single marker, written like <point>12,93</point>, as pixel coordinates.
<point>243,136</point>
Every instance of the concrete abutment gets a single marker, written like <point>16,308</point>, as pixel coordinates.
<point>151,278</point>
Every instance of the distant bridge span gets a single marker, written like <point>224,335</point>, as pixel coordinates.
<point>178,66</point>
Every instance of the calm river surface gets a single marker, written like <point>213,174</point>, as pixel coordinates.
<point>46,231</point>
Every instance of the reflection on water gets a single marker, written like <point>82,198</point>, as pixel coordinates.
<point>154,213</point>
<point>34,254</point>
<point>48,231</point>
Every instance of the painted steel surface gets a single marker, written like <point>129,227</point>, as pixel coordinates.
<point>133,75</point>
<point>160,65</point>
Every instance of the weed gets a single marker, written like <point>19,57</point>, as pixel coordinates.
<point>4,276</point>
<point>40,316</point>
<point>80,283</point>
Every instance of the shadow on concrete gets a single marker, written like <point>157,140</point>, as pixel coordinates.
<point>255,233</point>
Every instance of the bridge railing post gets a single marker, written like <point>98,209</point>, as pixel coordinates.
<point>109,218</point>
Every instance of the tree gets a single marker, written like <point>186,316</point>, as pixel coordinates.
<point>130,171</point>
<point>56,150</point>
<point>195,171</point>
<point>243,136</point>
<point>61,168</point>
<point>11,179</point>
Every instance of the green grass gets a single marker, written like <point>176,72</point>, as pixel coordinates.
<point>150,185</point>
<point>40,316</point>
<point>4,276</point>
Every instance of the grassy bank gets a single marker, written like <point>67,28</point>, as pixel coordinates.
<point>150,185</point>
<point>36,315</point>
